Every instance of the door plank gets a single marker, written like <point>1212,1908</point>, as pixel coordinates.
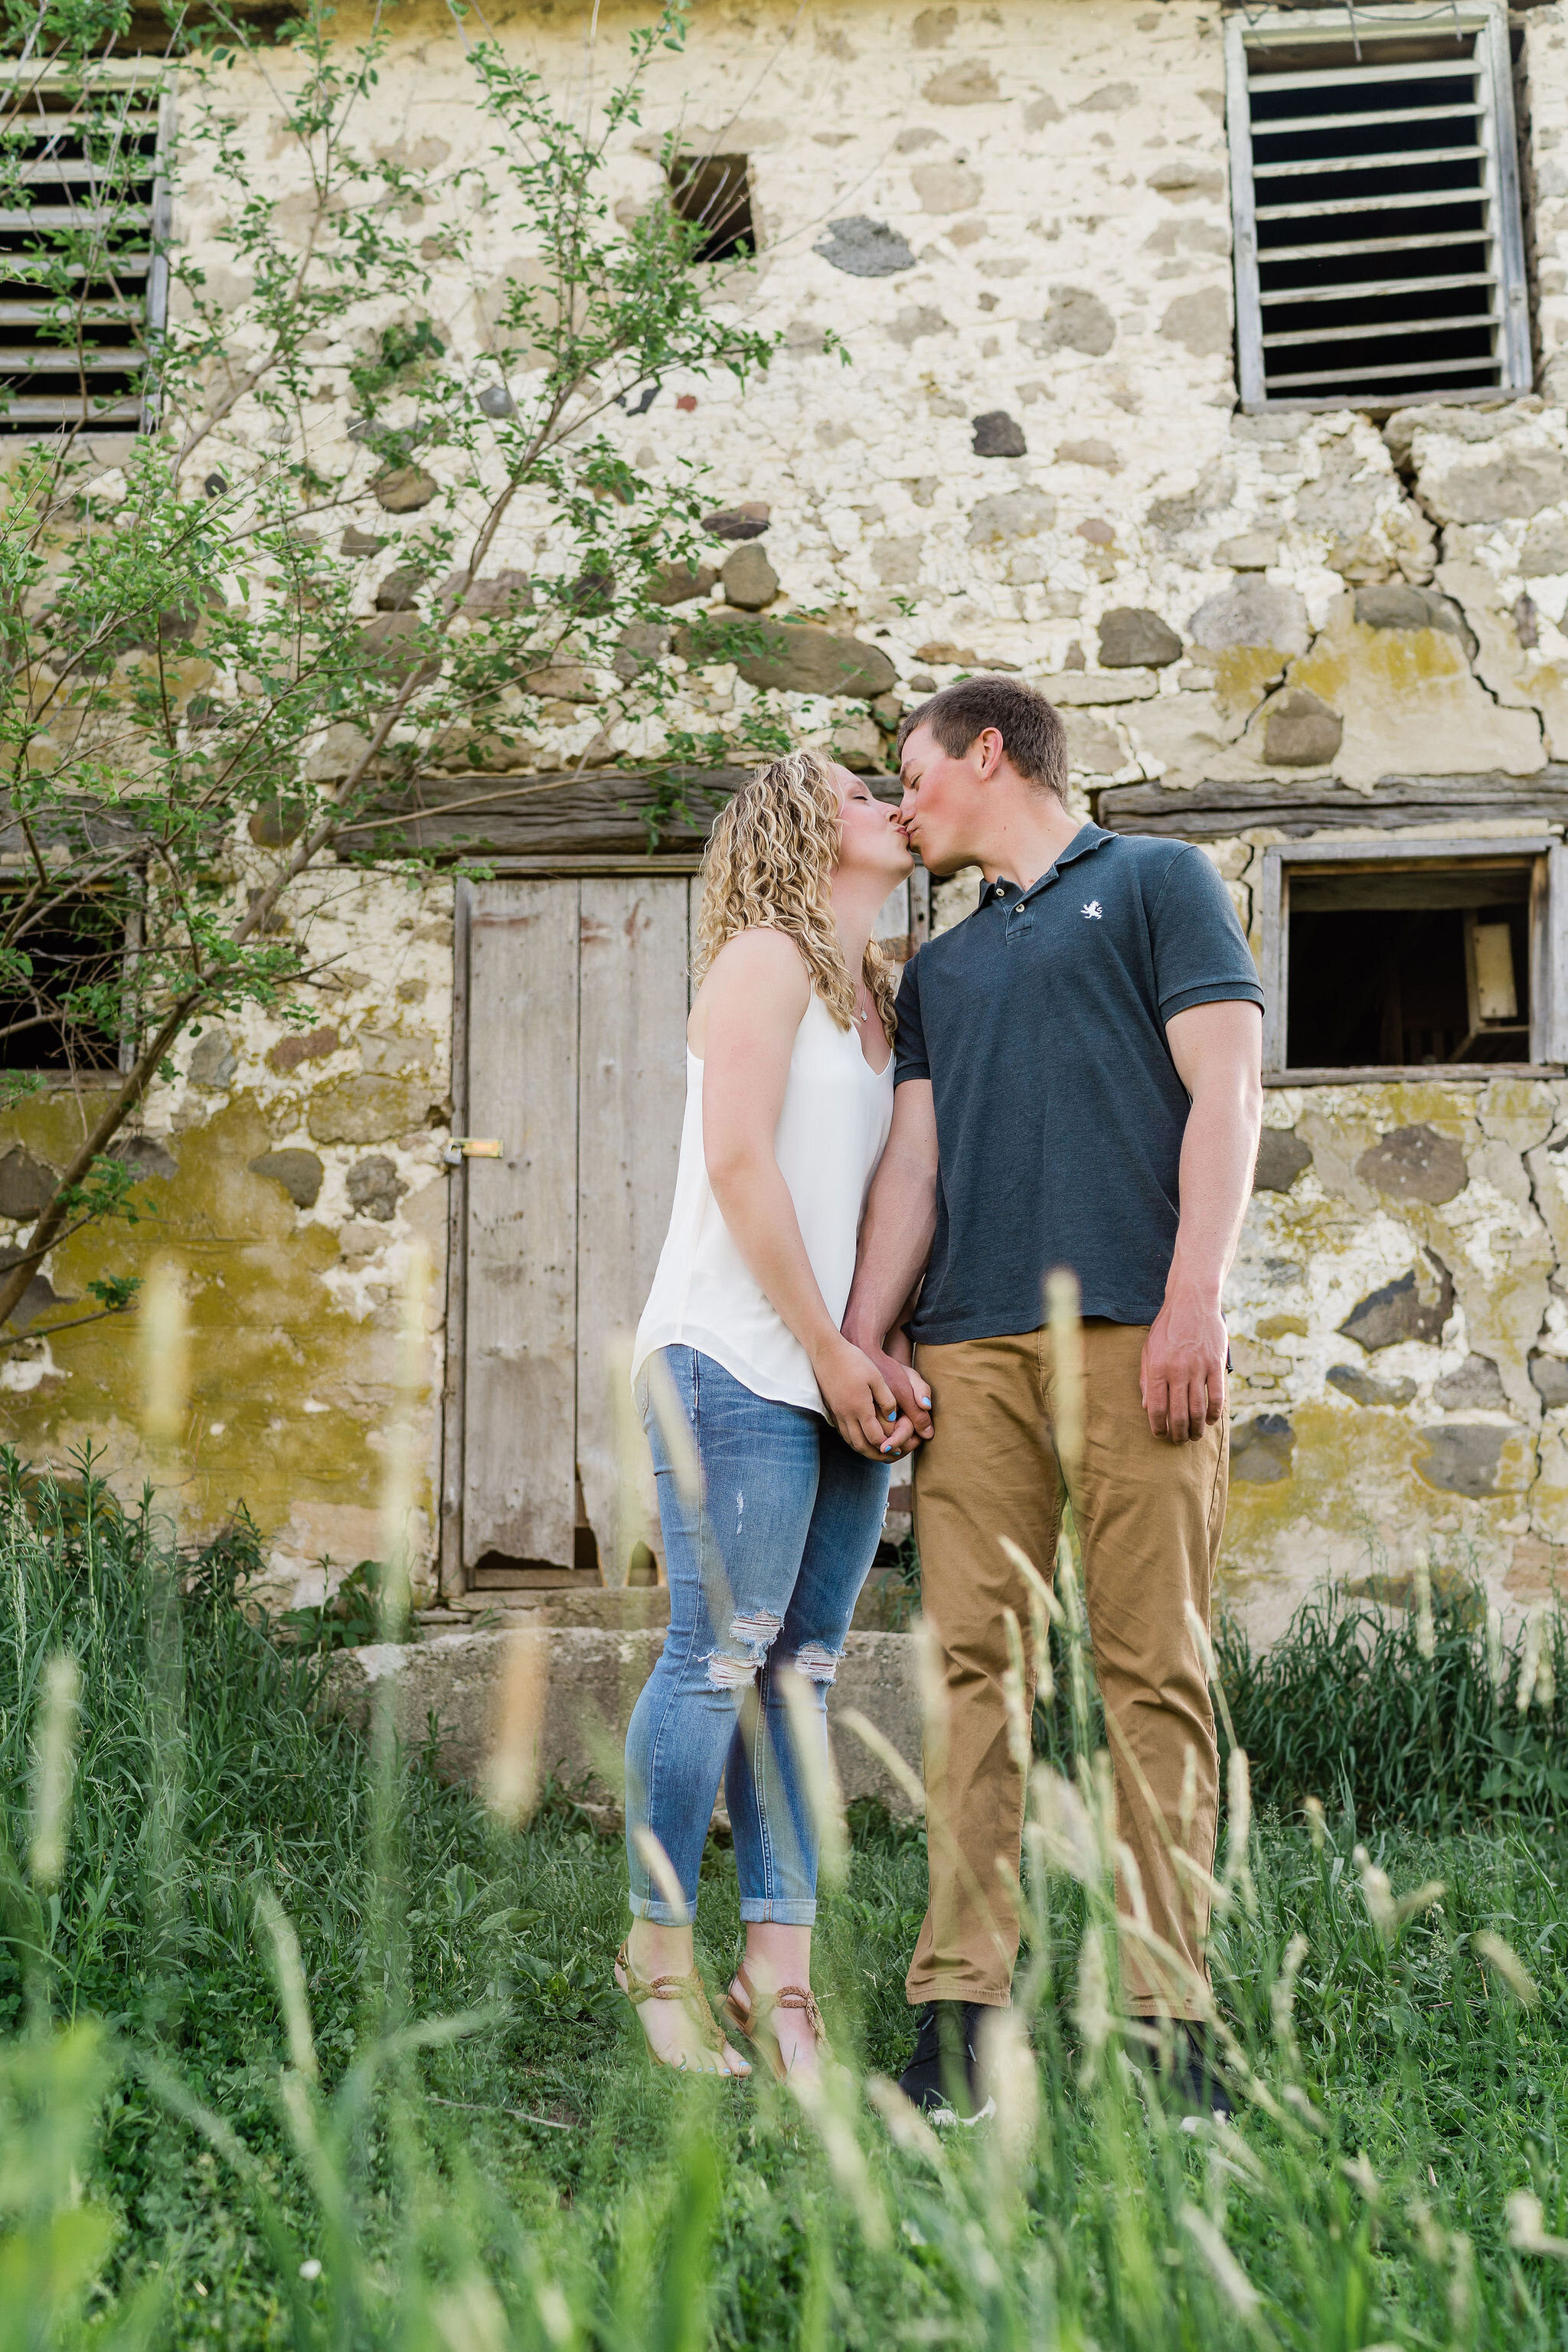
<point>452,1580</point>
<point>631,1097</point>
<point>520,1356</point>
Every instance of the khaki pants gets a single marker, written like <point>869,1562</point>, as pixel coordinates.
<point>1149,1513</point>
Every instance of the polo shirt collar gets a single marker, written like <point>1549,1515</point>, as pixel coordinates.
<point>1087,837</point>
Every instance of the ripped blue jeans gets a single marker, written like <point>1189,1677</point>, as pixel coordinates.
<point>765,1564</point>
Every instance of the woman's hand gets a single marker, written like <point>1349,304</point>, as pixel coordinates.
<point>864,1408</point>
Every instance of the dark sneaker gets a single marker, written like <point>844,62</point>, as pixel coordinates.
<point>1194,2078</point>
<point>943,2079</point>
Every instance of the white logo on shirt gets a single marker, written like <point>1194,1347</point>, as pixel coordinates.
<point>1093,911</point>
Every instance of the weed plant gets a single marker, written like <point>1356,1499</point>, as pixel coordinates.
<point>303,2050</point>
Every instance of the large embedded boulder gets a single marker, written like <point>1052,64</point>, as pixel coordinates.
<point>1260,1449</point>
<point>1364,1389</point>
<point>1415,1306</point>
<point>299,1172</point>
<point>1253,612</point>
<point>1077,321</point>
<point>1301,731</point>
<point>27,1186</point>
<point>1463,1457</point>
<point>750,579</point>
<point>794,657</point>
<point>1131,637</point>
<point>1282,1156</point>
<point>1415,1163</point>
<point>1475,1387</point>
<point>997,435</point>
<point>1010,515</point>
<point>405,489</point>
<point>864,249</point>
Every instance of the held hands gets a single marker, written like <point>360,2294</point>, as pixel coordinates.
<point>1183,1373</point>
<point>870,1396</point>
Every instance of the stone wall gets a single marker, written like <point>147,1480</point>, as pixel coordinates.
<point>288,1172</point>
<point>1015,222</point>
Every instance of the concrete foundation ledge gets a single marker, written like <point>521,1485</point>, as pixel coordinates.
<point>512,1708</point>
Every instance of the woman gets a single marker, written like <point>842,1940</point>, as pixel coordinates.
<point>771,1434</point>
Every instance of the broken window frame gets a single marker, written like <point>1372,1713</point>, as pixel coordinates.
<point>15,873</point>
<point>686,176</point>
<point>1278,26</point>
<point>1547,856</point>
<point>38,415</point>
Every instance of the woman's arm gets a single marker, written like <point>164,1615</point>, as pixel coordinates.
<point>752,1003</point>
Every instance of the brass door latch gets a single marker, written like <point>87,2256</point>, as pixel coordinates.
<point>470,1146</point>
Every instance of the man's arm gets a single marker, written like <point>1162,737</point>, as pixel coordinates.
<point>896,1235</point>
<point>1218,1050</point>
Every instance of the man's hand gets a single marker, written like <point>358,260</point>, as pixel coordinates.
<point>1183,1373</point>
<point>895,1242</point>
<point>895,1360</point>
<point>1217,1049</point>
<point>865,1410</point>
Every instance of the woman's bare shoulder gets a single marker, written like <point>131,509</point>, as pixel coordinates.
<point>763,954</point>
<point>759,980</point>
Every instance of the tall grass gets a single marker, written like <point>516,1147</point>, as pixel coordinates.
<point>236,2106</point>
<point>1425,1714</point>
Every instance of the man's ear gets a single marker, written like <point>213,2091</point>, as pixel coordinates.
<point>990,748</point>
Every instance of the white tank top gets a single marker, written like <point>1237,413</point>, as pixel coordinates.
<point>830,1135</point>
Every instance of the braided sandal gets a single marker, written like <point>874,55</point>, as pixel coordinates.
<point>690,1990</point>
<point>753,2021</point>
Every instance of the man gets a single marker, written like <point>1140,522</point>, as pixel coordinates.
<point>1078,1086</point>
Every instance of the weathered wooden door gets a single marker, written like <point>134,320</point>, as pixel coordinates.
<point>577,993</point>
<point>576,1063</point>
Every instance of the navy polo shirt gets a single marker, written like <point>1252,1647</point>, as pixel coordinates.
<point>1040,1021</point>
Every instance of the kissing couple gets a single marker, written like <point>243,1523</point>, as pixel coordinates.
<point>877,1175</point>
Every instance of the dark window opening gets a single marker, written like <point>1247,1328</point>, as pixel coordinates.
<point>714,193</point>
<point>1396,969</point>
<point>56,1015</point>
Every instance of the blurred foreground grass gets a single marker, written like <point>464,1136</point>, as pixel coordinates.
<point>300,2049</point>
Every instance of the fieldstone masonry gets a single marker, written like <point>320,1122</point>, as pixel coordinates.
<point>1017,221</point>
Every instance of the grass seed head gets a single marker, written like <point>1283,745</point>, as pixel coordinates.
<point>1282,1998</point>
<point>1527,2227</point>
<point>1067,1827</point>
<point>1062,1301</point>
<point>1225,2270</point>
<point>510,1780</point>
<point>815,1758</point>
<point>1504,1961</point>
<point>661,1870</point>
<point>1013,1688</point>
<point>1529,1662</point>
<point>164,1338</point>
<point>1007,2061</point>
<point>1091,2002</point>
<point>1377,1894</point>
<point>1425,1630</point>
<point>679,1443</point>
<point>53,1771</point>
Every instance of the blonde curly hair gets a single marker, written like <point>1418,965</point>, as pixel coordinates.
<point>769,864</point>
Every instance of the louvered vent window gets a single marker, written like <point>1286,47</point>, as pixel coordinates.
<point>83,228</point>
<point>1375,186</point>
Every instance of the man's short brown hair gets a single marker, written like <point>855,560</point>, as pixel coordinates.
<point>1032,733</point>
